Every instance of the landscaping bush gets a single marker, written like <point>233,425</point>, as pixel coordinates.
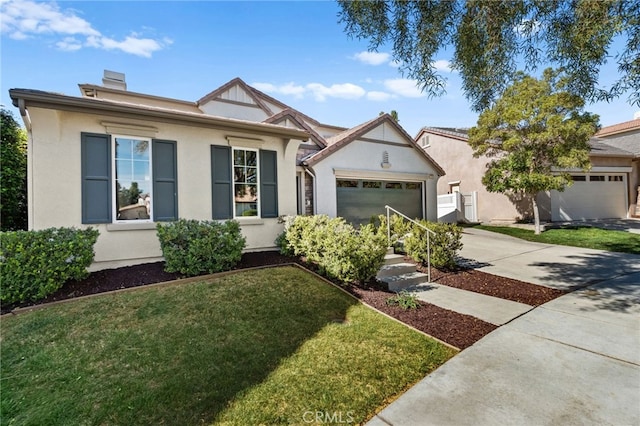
<point>339,250</point>
<point>193,247</point>
<point>34,264</point>
<point>445,244</point>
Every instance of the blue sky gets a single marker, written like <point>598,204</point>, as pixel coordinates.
<point>295,51</point>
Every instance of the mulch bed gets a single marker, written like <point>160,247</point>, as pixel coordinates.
<point>454,328</point>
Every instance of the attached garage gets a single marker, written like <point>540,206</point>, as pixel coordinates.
<point>592,196</point>
<point>360,199</point>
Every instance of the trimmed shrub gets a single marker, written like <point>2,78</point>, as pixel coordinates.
<point>445,244</point>
<point>340,251</point>
<point>193,247</point>
<point>34,264</point>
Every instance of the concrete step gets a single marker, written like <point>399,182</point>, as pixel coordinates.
<point>396,269</point>
<point>400,282</point>
<point>390,250</point>
<point>391,259</point>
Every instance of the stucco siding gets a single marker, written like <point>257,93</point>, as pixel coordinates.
<point>456,157</point>
<point>406,165</point>
<point>55,183</point>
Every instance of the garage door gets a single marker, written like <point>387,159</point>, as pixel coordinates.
<point>596,196</point>
<point>359,200</point>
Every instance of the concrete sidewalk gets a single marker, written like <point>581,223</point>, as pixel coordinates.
<point>574,360</point>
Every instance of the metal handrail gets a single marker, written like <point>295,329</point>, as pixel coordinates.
<point>429,231</point>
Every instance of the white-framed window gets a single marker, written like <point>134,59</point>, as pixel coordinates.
<point>246,184</point>
<point>132,180</point>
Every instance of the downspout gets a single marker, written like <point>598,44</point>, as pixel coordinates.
<point>28,125</point>
<point>24,113</point>
<point>314,192</point>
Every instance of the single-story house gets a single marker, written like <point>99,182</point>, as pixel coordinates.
<point>121,161</point>
<point>608,190</point>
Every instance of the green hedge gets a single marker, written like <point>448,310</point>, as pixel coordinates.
<point>339,250</point>
<point>445,244</point>
<point>193,247</point>
<point>35,264</point>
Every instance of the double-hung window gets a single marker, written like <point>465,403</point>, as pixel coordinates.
<point>244,182</point>
<point>133,190</point>
<point>128,178</point>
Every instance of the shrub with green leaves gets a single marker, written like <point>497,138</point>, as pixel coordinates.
<point>405,300</point>
<point>193,247</point>
<point>339,250</point>
<point>445,244</point>
<point>34,264</point>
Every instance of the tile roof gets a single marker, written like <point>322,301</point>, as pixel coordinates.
<point>461,134</point>
<point>620,128</point>
<point>602,147</point>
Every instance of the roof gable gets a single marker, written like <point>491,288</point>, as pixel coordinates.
<point>299,120</point>
<point>236,90</point>
<point>341,140</point>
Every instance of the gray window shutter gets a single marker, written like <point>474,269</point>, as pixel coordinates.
<point>268,183</point>
<point>165,180</point>
<point>95,151</point>
<point>221,183</point>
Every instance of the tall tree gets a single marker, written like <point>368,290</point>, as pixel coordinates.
<point>534,133</point>
<point>13,174</point>
<point>490,37</point>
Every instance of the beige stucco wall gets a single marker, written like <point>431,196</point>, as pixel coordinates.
<point>362,159</point>
<point>456,158</point>
<point>55,183</point>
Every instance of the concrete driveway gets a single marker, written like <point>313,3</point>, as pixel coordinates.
<point>572,361</point>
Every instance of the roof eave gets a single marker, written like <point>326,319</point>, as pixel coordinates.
<point>88,105</point>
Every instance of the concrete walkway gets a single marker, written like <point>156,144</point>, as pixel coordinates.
<point>488,308</point>
<point>572,361</point>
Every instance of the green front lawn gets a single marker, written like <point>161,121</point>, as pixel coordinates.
<point>576,236</point>
<point>257,347</point>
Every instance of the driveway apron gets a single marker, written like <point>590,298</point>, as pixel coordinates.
<point>572,361</point>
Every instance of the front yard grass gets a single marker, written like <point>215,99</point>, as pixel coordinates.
<point>257,347</point>
<point>576,236</point>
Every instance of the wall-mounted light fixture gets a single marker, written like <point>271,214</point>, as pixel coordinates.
<point>385,160</point>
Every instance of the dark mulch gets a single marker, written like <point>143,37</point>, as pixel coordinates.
<point>494,285</point>
<point>456,329</point>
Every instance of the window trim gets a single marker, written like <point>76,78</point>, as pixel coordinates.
<point>258,215</point>
<point>114,192</point>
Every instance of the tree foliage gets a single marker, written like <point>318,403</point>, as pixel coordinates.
<point>490,37</point>
<point>533,132</point>
<point>13,174</point>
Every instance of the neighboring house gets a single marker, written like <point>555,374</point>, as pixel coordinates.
<point>121,161</point>
<point>608,190</point>
<point>626,136</point>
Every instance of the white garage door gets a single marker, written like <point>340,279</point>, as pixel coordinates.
<point>359,200</point>
<point>592,196</point>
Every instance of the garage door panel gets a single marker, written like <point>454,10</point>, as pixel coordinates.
<point>358,204</point>
<point>589,200</point>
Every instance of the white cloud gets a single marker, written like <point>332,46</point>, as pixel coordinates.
<point>378,96</point>
<point>22,19</point>
<point>69,44</point>
<point>372,58</point>
<point>404,87</point>
<point>342,91</point>
<point>443,65</point>
<point>291,89</point>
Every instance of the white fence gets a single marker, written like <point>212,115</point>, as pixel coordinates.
<point>458,207</point>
